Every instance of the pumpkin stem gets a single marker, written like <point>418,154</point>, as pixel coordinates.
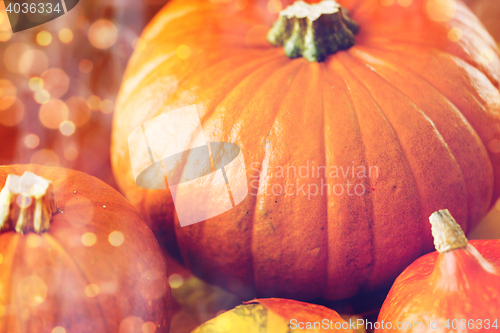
<point>313,31</point>
<point>447,233</point>
<point>26,203</point>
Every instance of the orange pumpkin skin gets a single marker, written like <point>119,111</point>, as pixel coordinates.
<point>405,98</point>
<point>53,279</point>
<point>459,284</point>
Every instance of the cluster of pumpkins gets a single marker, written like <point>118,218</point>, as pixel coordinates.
<point>409,86</point>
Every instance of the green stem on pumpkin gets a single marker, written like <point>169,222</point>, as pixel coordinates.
<point>447,233</point>
<point>26,204</point>
<point>313,31</point>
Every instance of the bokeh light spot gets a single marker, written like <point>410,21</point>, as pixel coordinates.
<point>92,290</point>
<point>56,82</point>
<point>31,141</point>
<point>78,210</point>
<point>65,35</point>
<point>102,34</point>
<point>79,111</point>
<point>58,329</point>
<point>89,239</point>
<point>148,327</point>
<point>45,157</point>
<point>33,63</point>
<point>94,102</point>
<point>131,324</point>
<point>455,34</point>
<point>71,153</point>
<point>183,51</point>
<point>41,96</point>
<point>106,106</point>
<point>116,238</point>
<point>43,38</point>
<point>67,128</point>
<point>85,66</point>
<point>274,6</point>
<point>386,2</point>
<point>175,281</point>
<point>53,113</point>
<point>31,291</point>
<point>441,10</point>
<point>404,3</point>
<point>35,83</point>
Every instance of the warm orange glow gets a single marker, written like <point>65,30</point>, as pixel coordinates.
<point>65,35</point>
<point>43,38</point>
<point>79,111</point>
<point>12,54</point>
<point>34,240</point>
<point>31,141</point>
<point>107,106</point>
<point>404,3</point>
<point>94,102</point>
<point>387,2</point>
<point>8,94</point>
<point>138,44</point>
<point>53,113</point>
<point>56,82</point>
<point>71,153</point>
<point>31,291</point>
<point>240,4</point>
<point>274,6</point>
<point>89,239</point>
<point>12,115</point>
<point>183,51</point>
<point>1,260</point>
<point>102,34</point>
<point>486,56</point>
<point>33,63</point>
<point>85,66</point>
<point>116,238</point>
<point>45,157</point>
<point>92,290</point>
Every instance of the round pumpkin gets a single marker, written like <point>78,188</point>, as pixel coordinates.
<point>455,289</point>
<point>405,121</point>
<point>75,254</point>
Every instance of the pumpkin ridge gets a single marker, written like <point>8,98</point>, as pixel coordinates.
<point>418,75</point>
<point>270,61</point>
<point>420,191</point>
<point>56,244</point>
<point>323,79</point>
<point>421,110</point>
<point>404,53</point>
<point>262,163</point>
<point>352,107</point>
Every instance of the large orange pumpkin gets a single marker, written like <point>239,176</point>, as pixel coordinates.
<point>74,254</point>
<point>415,101</point>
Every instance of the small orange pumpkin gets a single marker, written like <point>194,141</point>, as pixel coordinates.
<point>456,289</point>
<point>272,315</point>
<point>75,254</point>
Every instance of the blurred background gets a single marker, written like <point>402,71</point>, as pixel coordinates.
<point>58,84</point>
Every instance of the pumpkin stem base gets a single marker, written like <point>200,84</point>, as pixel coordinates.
<point>26,204</point>
<point>447,233</point>
<point>313,31</point>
